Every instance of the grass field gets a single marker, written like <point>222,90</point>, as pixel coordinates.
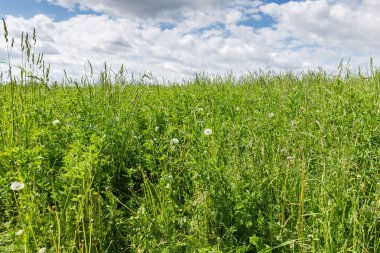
<point>260,163</point>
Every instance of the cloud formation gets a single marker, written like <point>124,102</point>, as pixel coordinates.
<point>140,8</point>
<point>305,35</point>
<point>330,23</point>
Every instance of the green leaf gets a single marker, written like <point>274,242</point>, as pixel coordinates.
<point>258,242</point>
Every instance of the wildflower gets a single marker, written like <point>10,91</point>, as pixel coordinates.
<point>174,141</point>
<point>271,115</point>
<point>290,158</point>
<point>207,131</point>
<point>156,128</point>
<point>317,122</point>
<point>17,186</point>
<point>20,232</point>
<point>55,122</point>
<point>42,250</point>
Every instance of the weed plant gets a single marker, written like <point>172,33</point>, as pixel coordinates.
<point>262,163</point>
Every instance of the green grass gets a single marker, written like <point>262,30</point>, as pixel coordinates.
<point>107,179</point>
<point>292,164</point>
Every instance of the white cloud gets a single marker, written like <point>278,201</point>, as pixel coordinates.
<point>139,8</point>
<point>306,34</point>
<point>346,24</point>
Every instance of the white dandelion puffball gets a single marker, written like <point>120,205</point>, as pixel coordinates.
<point>271,115</point>
<point>207,131</point>
<point>55,122</point>
<point>20,232</point>
<point>17,186</point>
<point>174,141</point>
<point>42,250</point>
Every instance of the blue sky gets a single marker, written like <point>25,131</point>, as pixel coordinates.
<point>175,39</point>
<point>30,8</point>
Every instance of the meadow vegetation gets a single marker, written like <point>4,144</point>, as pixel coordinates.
<point>261,163</point>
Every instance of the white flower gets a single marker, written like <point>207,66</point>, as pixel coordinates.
<point>42,250</point>
<point>17,186</point>
<point>271,115</point>
<point>207,131</point>
<point>20,232</point>
<point>317,122</point>
<point>156,128</point>
<point>55,122</point>
<point>290,158</point>
<point>174,141</point>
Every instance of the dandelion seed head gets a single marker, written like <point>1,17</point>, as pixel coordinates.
<point>17,186</point>
<point>290,158</point>
<point>55,122</point>
<point>174,141</point>
<point>207,131</point>
<point>271,115</point>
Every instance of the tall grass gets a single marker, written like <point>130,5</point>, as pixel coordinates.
<point>292,164</point>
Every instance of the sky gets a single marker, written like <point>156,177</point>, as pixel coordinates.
<point>174,39</point>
